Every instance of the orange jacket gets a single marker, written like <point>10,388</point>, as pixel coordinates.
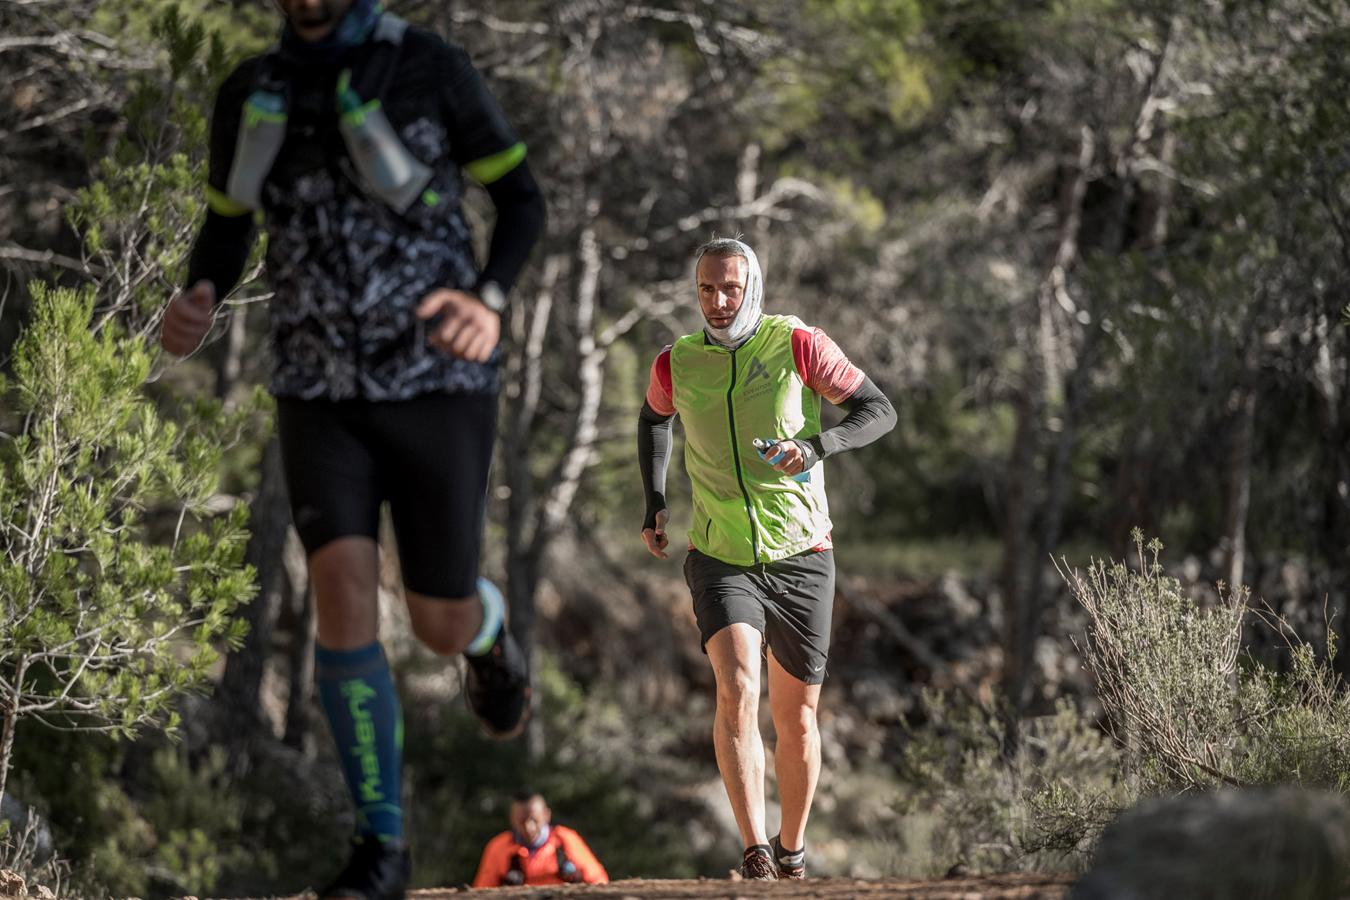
<point>538,866</point>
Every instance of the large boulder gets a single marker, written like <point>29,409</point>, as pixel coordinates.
<point>1284,843</point>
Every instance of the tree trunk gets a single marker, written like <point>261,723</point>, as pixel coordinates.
<point>1155,208</point>
<point>1022,580</point>
<point>1239,472</point>
<point>1336,538</point>
<point>240,686</point>
<point>301,668</point>
<point>533,525</point>
<point>525,388</point>
<point>1019,505</point>
<point>230,359</point>
<point>9,720</point>
<point>1333,383</point>
<point>1039,390</point>
<point>522,582</point>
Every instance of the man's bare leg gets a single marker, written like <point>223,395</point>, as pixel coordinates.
<point>797,755</point>
<point>345,577</point>
<point>734,653</point>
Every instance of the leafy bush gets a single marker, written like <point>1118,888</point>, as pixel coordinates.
<point>100,626</point>
<point>197,812</point>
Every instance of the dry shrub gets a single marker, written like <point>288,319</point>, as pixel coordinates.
<point>1190,706</point>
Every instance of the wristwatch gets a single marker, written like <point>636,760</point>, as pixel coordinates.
<point>492,295</point>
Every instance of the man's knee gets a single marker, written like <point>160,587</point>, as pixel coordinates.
<point>738,690</point>
<point>797,723</point>
<point>344,577</point>
<point>446,626</point>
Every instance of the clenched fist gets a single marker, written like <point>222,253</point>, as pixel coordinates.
<point>654,535</point>
<point>188,318</point>
<point>467,328</point>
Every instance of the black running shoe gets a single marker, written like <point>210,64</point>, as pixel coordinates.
<point>377,870</point>
<point>791,866</point>
<point>497,687</point>
<point>757,865</point>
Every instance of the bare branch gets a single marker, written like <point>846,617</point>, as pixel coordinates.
<point>461,16</point>
<point>55,116</point>
<point>767,205</point>
<point>69,44</point>
<point>49,258</point>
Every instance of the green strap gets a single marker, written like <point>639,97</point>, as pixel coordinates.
<point>220,203</point>
<point>490,168</point>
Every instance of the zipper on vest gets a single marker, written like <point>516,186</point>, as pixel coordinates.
<point>736,458</point>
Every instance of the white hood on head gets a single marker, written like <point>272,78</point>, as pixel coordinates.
<point>752,304</point>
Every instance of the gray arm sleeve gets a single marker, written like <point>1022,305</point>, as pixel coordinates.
<point>654,439</point>
<point>869,415</point>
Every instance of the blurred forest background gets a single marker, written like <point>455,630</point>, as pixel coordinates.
<point>1096,251</point>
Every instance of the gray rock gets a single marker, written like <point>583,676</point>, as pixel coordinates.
<point>1284,843</point>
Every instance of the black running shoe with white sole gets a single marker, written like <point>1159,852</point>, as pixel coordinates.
<point>791,864</point>
<point>377,870</point>
<point>497,687</point>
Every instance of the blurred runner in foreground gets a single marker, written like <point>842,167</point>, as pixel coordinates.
<point>347,140</point>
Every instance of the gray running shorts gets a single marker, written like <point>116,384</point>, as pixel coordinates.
<point>789,602</point>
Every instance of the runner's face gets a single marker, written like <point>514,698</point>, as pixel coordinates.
<point>314,20</point>
<point>528,819</point>
<point>721,288</point>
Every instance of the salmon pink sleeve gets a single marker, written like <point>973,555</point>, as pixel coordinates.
<point>823,366</point>
<point>660,393</point>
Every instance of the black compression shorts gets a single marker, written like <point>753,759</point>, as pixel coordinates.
<point>428,457</point>
<point>789,601</point>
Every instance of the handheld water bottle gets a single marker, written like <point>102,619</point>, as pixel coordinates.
<point>764,445</point>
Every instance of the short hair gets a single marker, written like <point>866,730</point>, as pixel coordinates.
<point>525,795</point>
<point>721,247</point>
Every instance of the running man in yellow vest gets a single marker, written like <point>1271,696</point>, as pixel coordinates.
<point>760,565</point>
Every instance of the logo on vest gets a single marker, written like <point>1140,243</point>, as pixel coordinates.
<point>755,370</point>
<point>757,380</point>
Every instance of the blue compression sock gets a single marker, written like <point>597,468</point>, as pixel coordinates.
<point>356,689</point>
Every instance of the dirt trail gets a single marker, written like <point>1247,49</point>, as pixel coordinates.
<point>993,887</point>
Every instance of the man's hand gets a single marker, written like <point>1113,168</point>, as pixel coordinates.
<point>467,328</point>
<point>786,456</point>
<point>188,318</point>
<point>655,538</point>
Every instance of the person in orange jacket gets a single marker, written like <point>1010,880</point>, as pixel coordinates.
<point>535,851</point>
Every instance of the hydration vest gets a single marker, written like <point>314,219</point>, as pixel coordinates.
<point>387,170</point>
<point>515,874</point>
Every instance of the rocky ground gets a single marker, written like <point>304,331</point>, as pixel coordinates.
<point>995,887</point>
